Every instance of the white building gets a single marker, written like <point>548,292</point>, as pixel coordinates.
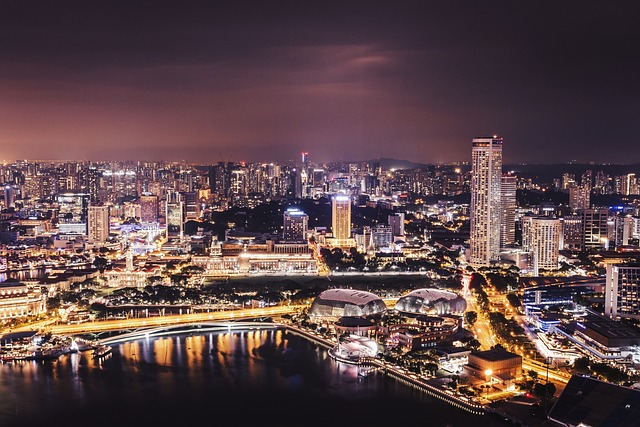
<point>486,206</point>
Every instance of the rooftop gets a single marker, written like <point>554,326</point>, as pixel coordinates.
<point>591,402</point>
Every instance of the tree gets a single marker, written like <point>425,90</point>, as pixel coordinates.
<point>544,391</point>
<point>100,263</point>
<point>53,303</point>
<point>581,366</point>
<point>470,317</point>
<point>473,345</point>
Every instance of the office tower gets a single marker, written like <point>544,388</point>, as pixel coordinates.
<point>485,209</point>
<point>396,222</point>
<point>572,232</point>
<point>629,184</point>
<point>72,212</point>
<point>568,179</point>
<point>175,215</point>
<point>382,236</point>
<point>508,214</point>
<point>544,243</point>
<point>594,229</point>
<point>9,196</point>
<point>98,223</point>
<point>341,217</point>
<point>238,188</point>
<point>601,185</point>
<point>295,225</point>
<point>622,291</point>
<point>192,210</point>
<point>149,208</point>
<point>579,197</point>
<point>620,230</point>
<point>587,180</point>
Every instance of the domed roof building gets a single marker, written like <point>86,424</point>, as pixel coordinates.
<point>431,301</point>
<point>346,302</point>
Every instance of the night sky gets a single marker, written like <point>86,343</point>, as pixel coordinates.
<point>347,80</point>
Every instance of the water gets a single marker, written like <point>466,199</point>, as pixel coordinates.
<point>34,273</point>
<point>251,378</point>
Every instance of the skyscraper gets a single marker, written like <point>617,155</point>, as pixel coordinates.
<point>508,214</point>
<point>98,223</point>
<point>149,208</point>
<point>544,243</point>
<point>579,197</point>
<point>175,215</point>
<point>341,217</point>
<point>594,229</point>
<point>295,225</point>
<point>486,207</point>
<point>396,222</point>
<point>621,296</point>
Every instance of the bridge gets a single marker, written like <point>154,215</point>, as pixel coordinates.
<point>133,324</point>
<point>152,332</point>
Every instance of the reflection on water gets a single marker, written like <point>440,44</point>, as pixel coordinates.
<point>255,377</point>
<point>34,273</point>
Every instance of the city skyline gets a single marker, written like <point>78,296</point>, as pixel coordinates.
<point>344,81</point>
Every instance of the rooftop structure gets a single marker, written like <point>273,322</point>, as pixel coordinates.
<point>346,302</point>
<point>431,301</point>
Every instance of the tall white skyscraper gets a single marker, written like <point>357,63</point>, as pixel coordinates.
<point>486,206</point>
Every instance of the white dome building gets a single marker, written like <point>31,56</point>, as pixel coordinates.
<point>431,301</point>
<point>346,302</point>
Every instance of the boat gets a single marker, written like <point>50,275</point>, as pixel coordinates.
<point>101,351</point>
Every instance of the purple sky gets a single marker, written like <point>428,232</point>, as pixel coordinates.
<point>346,80</point>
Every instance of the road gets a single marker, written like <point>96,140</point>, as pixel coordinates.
<point>108,325</point>
<point>481,328</point>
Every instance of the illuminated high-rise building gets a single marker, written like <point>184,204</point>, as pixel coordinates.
<point>175,215</point>
<point>396,222</point>
<point>341,217</point>
<point>508,214</point>
<point>98,223</point>
<point>572,232</point>
<point>543,242</point>
<point>594,229</point>
<point>622,294</point>
<point>486,207</point>
<point>9,196</point>
<point>295,225</point>
<point>579,197</point>
<point>149,208</point>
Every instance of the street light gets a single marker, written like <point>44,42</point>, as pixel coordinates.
<point>487,374</point>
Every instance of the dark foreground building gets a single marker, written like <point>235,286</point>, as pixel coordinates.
<point>586,401</point>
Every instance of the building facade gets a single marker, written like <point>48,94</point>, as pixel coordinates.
<point>98,223</point>
<point>508,213</point>
<point>296,225</point>
<point>486,207</point>
<point>341,217</point>
<point>622,291</point>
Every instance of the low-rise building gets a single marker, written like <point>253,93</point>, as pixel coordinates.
<point>18,300</point>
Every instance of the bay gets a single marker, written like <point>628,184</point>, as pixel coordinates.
<point>262,377</point>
